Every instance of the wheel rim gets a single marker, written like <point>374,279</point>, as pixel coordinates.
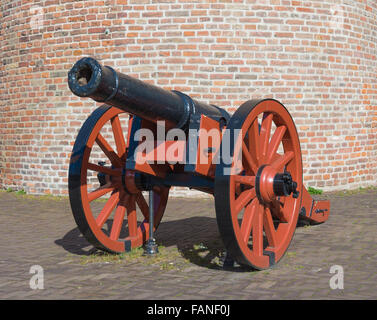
<point>123,231</point>
<point>256,225</point>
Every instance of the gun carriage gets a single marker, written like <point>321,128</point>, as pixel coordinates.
<point>251,164</point>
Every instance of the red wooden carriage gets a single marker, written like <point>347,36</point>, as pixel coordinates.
<point>257,184</point>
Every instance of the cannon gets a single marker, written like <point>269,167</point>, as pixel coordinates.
<point>250,161</point>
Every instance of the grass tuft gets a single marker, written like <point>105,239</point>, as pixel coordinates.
<point>359,190</point>
<point>312,190</point>
<point>102,257</point>
<point>166,259</point>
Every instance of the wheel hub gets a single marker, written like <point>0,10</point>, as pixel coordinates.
<point>127,180</point>
<point>270,184</point>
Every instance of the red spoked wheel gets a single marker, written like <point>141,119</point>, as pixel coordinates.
<point>111,225</point>
<point>258,190</point>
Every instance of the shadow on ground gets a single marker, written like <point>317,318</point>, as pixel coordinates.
<point>197,240</point>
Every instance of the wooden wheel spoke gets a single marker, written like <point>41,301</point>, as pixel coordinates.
<point>140,200</point>
<point>119,218</point>
<point>265,133</point>
<point>132,216</point>
<point>247,180</point>
<point>253,145</point>
<point>100,192</point>
<point>109,152</point>
<point>269,228</point>
<point>105,170</point>
<point>257,231</point>
<point>107,209</point>
<point>247,220</point>
<point>283,160</point>
<point>275,157</point>
<point>248,160</point>
<point>118,136</point>
<point>277,210</point>
<point>243,199</point>
<point>275,142</point>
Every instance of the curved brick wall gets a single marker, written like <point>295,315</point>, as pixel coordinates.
<point>317,57</point>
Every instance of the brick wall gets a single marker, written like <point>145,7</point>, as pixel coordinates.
<point>317,57</point>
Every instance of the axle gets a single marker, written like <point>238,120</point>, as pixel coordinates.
<point>88,78</point>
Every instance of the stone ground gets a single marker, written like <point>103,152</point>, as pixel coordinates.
<point>41,231</point>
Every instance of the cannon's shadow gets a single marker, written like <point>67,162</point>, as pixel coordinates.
<point>196,238</point>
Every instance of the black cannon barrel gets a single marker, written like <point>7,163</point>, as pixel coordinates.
<point>88,78</point>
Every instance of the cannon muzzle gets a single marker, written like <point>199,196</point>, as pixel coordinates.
<point>88,78</point>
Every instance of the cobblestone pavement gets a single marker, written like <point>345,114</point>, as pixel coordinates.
<point>40,231</point>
